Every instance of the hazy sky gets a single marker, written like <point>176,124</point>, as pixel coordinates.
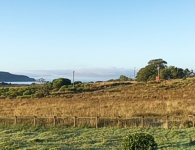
<point>96,38</point>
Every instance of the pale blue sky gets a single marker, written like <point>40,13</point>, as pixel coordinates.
<point>101,38</point>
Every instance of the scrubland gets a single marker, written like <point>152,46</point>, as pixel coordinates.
<point>174,98</point>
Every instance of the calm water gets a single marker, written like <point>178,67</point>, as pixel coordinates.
<point>26,83</point>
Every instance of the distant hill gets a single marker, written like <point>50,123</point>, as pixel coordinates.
<point>8,77</point>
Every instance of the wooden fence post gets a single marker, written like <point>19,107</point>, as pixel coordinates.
<point>54,120</point>
<point>34,121</point>
<point>75,121</point>
<point>16,120</point>
<point>167,122</point>
<point>142,122</point>
<point>96,125</point>
<point>118,121</point>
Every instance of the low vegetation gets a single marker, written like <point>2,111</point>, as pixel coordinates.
<point>174,98</point>
<point>139,141</point>
<point>61,138</point>
<point>56,88</point>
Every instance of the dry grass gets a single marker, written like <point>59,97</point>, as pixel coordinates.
<point>173,98</point>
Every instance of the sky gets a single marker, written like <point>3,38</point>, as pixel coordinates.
<point>98,39</point>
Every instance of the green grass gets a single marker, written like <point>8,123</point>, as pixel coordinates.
<point>59,138</point>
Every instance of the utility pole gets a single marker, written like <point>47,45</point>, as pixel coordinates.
<point>73,78</point>
<point>134,72</point>
<point>158,72</point>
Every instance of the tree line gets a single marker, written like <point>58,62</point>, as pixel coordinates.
<point>52,89</point>
<point>158,67</point>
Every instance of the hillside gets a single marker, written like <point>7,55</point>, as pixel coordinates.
<point>8,77</point>
<point>174,97</point>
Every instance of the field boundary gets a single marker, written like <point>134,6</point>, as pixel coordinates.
<point>99,122</point>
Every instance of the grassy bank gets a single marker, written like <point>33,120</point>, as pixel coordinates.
<point>59,138</point>
<point>174,98</point>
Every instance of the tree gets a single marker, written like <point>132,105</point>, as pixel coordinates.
<point>49,85</point>
<point>165,73</point>
<point>147,73</point>
<point>150,71</point>
<point>42,88</point>
<point>158,62</point>
<point>41,81</point>
<point>57,83</point>
<point>123,78</point>
<point>176,73</point>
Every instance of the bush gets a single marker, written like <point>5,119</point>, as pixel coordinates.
<point>38,94</point>
<point>188,124</point>
<point>58,83</point>
<point>80,89</point>
<point>77,82</point>
<point>63,88</point>
<point>71,88</point>
<point>139,141</point>
<point>86,86</point>
<point>25,96</point>
<point>99,81</point>
<point>90,82</point>
<point>27,92</point>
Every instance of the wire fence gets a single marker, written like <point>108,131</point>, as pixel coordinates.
<point>100,122</point>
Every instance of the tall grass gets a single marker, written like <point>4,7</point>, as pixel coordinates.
<point>166,98</point>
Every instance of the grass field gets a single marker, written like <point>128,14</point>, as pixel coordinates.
<point>60,138</point>
<point>167,98</point>
<point>174,98</point>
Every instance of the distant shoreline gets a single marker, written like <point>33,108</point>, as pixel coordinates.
<point>18,83</point>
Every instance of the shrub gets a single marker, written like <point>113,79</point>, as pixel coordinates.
<point>63,88</point>
<point>25,96</point>
<point>86,86</point>
<point>91,82</point>
<point>27,92</point>
<point>71,88</point>
<point>77,82</point>
<point>58,83</point>
<point>80,89</point>
<point>38,94</point>
<point>188,124</point>
<point>139,141</point>
<point>99,81</point>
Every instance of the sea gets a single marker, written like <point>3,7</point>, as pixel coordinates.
<point>21,83</point>
<point>27,83</point>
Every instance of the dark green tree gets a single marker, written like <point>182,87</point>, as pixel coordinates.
<point>147,73</point>
<point>57,83</point>
<point>176,73</point>
<point>165,73</point>
<point>49,85</point>
<point>123,78</point>
<point>158,62</point>
<point>188,72</point>
<point>150,71</point>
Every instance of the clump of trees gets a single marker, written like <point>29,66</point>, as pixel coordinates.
<point>41,89</point>
<point>55,88</point>
<point>58,83</point>
<point>159,67</point>
<point>121,78</point>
